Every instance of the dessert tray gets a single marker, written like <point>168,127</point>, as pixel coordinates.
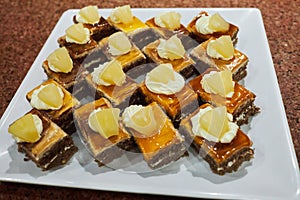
<point>272,174</point>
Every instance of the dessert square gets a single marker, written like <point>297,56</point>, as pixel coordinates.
<point>183,65</point>
<point>104,150</point>
<point>237,65</point>
<point>240,105</point>
<point>232,31</point>
<point>221,157</point>
<point>128,60</point>
<point>161,147</point>
<point>53,149</point>
<point>63,116</point>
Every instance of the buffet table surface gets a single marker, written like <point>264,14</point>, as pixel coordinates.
<point>25,26</point>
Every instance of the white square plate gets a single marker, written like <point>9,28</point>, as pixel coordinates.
<point>272,174</point>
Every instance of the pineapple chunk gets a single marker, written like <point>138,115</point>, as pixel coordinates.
<point>171,49</point>
<point>119,44</point>
<point>163,73</point>
<point>145,122</point>
<point>220,83</point>
<point>122,15</point>
<point>89,14</point>
<point>113,73</point>
<point>25,128</point>
<point>60,60</point>
<point>170,20</point>
<point>221,48</point>
<point>105,122</point>
<point>51,96</point>
<point>215,122</point>
<point>76,33</point>
<point>217,23</point>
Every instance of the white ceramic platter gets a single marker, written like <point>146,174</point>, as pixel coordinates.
<point>272,174</point>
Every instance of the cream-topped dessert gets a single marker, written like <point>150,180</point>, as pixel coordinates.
<point>121,14</point>
<point>171,49</point>
<point>47,97</point>
<point>164,80</point>
<point>88,15</point>
<point>169,20</point>
<point>78,34</point>
<point>221,48</point>
<point>211,24</point>
<point>119,44</point>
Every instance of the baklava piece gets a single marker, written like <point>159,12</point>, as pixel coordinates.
<point>122,19</point>
<point>42,141</point>
<point>98,26</point>
<point>217,139</point>
<point>119,47</point>
<point>203,27</point>
<point>167,87</point>
<point>109,81</point>
<point>154,134</point>
<point>220,53</point>
<point>101,131</point>
<point>170,51</point>
<point>78,41</point>
<point>55,102</point>
<point>218,88</point>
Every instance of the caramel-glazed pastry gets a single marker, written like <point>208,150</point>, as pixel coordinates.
<point>154,134</point>
<point>224,148</point>
<point>42,141</point>
<point>239,101</point>
<point>203,27</point>
<point>237,63</point>
<point>55,102</point>
<point>101,131</point>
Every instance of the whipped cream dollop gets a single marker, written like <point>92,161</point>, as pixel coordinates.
<point>119,44</point>
<point>128,113</point>
<point>121,14</point>
<point>211,24</point>
<point>60,61</point>
<point>78,34</point>
<point>37,103</point>
<point>88,15</point>
<point>221,48</point>
<point>171,49</point>
<point>170,20</point>
<point>164,80</point>
<point>91,125</point>
<point>200,131</point>
<point>202,25</point>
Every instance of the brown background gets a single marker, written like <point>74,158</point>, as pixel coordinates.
<point>25,26</point>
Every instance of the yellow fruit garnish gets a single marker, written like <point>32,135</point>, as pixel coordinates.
<point>217,23</point>
<point>122,15</point>
<point>105,122</point>
<point>25,128</point>
<point>51,96</point>
<point>171,49</point>
<point>221,48</point>
<point>220,83</point>
<point>215,121</point>
<point>145,122</point>
<point>90,14</point>
<point>119,44</point>
<point>170,20</point>
<point>163,73</point>
<point>78,34</point>
<point>113,73</point>
<point>60,60</point>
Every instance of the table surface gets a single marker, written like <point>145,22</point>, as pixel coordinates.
<point>25,26</point>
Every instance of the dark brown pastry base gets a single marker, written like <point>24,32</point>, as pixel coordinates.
<point>144,36</point>
<point>57,155</point>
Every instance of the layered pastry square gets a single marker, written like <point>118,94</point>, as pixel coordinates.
<point>91,19</point>
<point>119,47</point>
<point>42,141</point>
<point>170,51</point>
<point>78,41</point>
<point>216,139</point>
<point>169,91</point>
<point>220,53</point>
<point>109,81</point>
<point>218,88</point>
<point>123,19</point>
<point>101,131</point>
<point>154,134</point>
<point>205,26</point>
<point>55,102</point>
<point>60,67</point>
